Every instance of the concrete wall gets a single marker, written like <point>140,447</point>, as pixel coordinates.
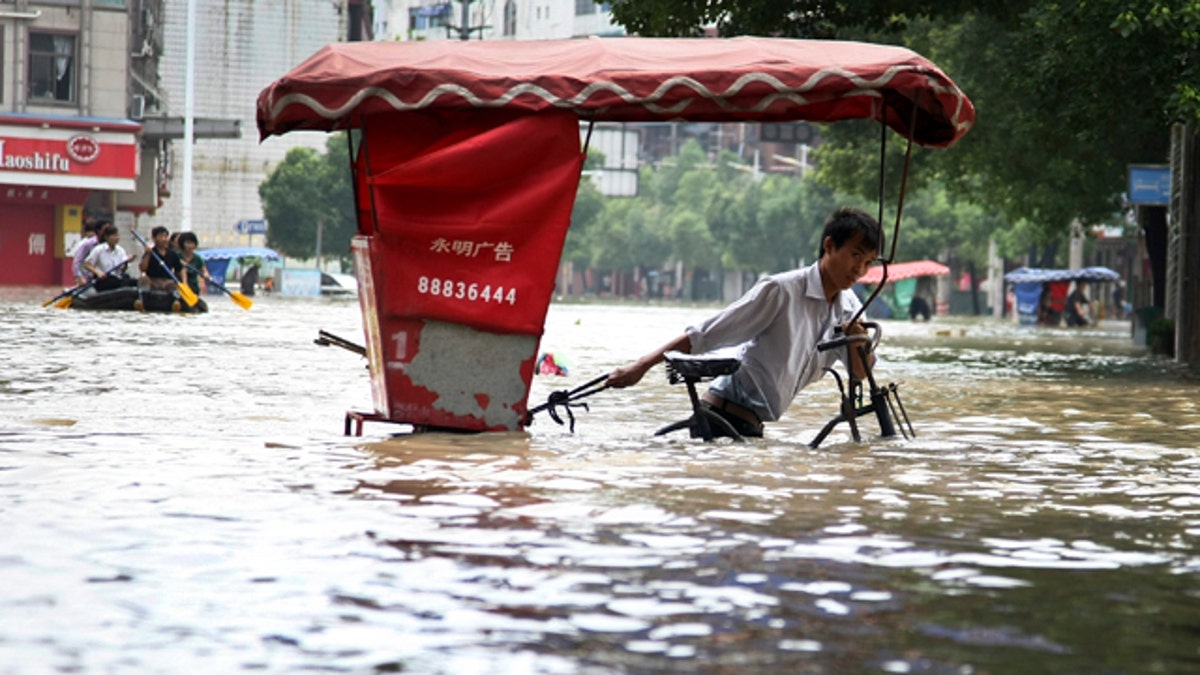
<point>102,60</point>
<point>109,65</point>
<point>241,47</point>
<point>244,45</point>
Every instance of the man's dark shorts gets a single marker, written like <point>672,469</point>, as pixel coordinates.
<point>742,426</point>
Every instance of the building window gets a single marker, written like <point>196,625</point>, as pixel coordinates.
<point>429,16</point>
<point>510,17</point>
<point>51,67</point>
<point>1,64</point>
<point>358,21</point>
<point>585,7</point>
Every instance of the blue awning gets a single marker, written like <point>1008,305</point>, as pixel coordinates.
<point>218,259</point>
<point>1033,274</point>
<point>240,252</point>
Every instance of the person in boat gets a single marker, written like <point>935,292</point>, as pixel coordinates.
<point>154,276</point>
<point>1078,306</point>
<point>777,325</point>
<point>91,237</point>
<point>106,256</point>
<point>191,263</point>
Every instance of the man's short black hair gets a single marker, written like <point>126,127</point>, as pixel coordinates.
<point>159,230</point>
<point>185,237</point>
<point>843,224</point>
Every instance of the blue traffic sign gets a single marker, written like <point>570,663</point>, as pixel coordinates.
<point>1149,184</point>
<point>251,226</point>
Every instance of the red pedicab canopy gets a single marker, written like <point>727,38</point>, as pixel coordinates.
<point>469,161</point>
<point>623,79</point>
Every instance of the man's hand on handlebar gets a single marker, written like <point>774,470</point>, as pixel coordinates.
<point>856,328</point>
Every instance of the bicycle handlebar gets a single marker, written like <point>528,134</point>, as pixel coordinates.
<point>843,340</point>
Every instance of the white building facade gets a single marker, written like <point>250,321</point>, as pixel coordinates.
<point>493,19</point>
<point>241,47</point>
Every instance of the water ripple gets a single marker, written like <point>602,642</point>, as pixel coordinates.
<point>212,518</point>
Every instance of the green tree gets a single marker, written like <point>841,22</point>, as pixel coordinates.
<point>789,18</point>
<point>589,205</point>
<point>692,241</point>
<point>308,190</point>
<point>1067,94</point>
<point>936,222</point>
<point>707,215</point>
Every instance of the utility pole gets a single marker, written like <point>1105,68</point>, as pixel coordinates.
<point>1185,210</point>
<point>189,112</point>
<point>464,28</point>
<point>320,232</point>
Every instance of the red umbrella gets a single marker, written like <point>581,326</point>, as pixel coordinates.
<point>906,270</point>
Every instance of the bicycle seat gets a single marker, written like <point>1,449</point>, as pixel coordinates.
<point>697,368</point>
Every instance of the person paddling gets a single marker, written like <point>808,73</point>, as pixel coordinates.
<point>191,263</point>
<point>777,325</point>
<point>156,276</point>
<point>104,261</point>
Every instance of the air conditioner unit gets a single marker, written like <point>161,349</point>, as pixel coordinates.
<point>137,107</point>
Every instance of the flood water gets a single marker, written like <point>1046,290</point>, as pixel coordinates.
<point>176,495</point>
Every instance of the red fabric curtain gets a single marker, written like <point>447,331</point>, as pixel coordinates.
<point>469,212</point>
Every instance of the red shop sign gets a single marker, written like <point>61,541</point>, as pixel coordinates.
<point>65,157</point>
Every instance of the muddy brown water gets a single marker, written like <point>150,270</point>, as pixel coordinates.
<point>176,496</point>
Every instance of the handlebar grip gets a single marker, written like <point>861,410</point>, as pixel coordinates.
<point>875,332</point>
<point>833,344</point>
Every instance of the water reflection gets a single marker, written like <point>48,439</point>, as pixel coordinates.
<point>176,496</point>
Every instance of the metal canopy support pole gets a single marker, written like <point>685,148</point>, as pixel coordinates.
<point>891,256</point>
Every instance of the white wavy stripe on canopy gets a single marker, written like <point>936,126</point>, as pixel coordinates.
<point>624,79</point>
<point>1035,275</point>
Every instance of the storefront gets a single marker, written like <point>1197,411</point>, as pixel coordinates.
<point>55,172</point>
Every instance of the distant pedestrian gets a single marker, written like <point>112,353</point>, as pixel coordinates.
<point>1119,305</point>
<point>250,280</point>
<point>919,308</point>
<point>1078,308</point>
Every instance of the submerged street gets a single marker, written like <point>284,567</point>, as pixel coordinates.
<point>176,495</point>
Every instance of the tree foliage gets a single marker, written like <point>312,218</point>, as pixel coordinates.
<point>788,18</point>
<point>306,190</point>
<point>709,215</point>
<point>1067,95</point>
<point>704,214</point>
